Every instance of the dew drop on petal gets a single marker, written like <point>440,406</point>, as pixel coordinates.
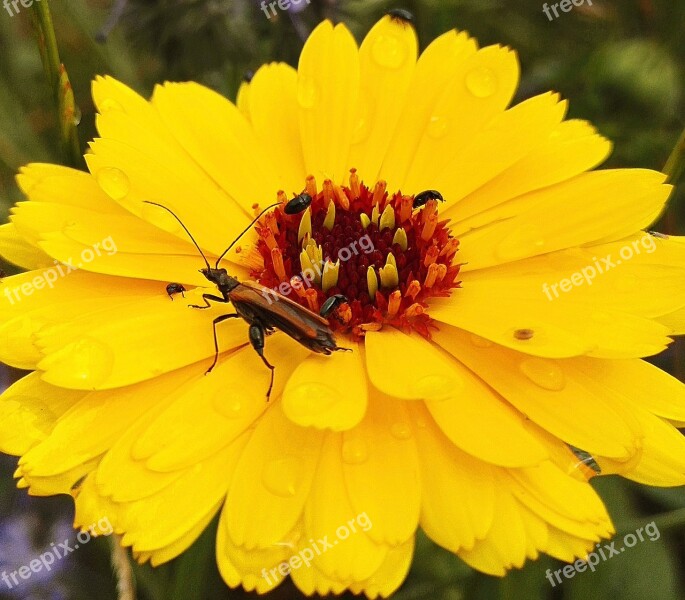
<point>281,476</point>
<point>480,342</point>
<point>364,120</point>
<point>481,82</point>
<point>355,451</point>
<point>113,182</point>
<point>401,430</point>
<point>545,373</point>
<point>438,126</point>
<point>87,361</point>
<point>436,387</point>
<point>389,51</point>
<point>109,104</point>
<point>307,93</point>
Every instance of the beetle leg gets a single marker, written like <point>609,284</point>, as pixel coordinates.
<point>216,321</point>
<point>207,298</point>
<point>257,340</point>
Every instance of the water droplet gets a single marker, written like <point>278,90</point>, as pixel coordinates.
<point>545,373</point>
<point>438,126</point>
<point>231,409</point>
<point>389,51</point>
<point>436,387</point>
<point>355,451</point>
<point>308,400</point>
<point>281,476</point>
<point>363,127</point>
<point>481,82</point>
<point>307,92</point>
<point>480,342</point>
<point>109,104</point>
<point>113,182</point>
<point>522,242</point>
<point>401,430</point>
<point>85,362</point>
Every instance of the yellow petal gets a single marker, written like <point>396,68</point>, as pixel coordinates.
<point>327,92</point>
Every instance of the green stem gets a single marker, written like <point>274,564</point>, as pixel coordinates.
<point>676,161</point>
<point>63,96</point>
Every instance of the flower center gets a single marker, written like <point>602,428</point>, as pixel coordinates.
<point>384,256</point>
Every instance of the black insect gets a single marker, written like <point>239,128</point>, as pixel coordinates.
<point>254,303</point>
<point>421,198</point>
<point>298,204</point>
<point>175,288</point>
<point>401,14</point>
<point>330,304</point>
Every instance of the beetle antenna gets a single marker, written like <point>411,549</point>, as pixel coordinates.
<point>218,260</point>
<point>190,235</point>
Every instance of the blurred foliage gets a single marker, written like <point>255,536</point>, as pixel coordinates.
<point>619,62</point>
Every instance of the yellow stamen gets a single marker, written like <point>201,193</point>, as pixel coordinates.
<point>375,215</point>
<point>372,282</point>
<point>442,271</point>
<point>282,197</point>
<point>413,289</point>
<point>305,227</point>
<point>406,208</point>
<point>298,285</point>
<point>345,313</point>
<point>431,276</point>
<point>414,310</point>
<point>310,260</point>
<point>431,256</point>
<point>429,227</point>
<point>310,186</point>
<point>371,326</point>
<point>312,300</point>
<point>379,192</point>
<point>328,191</point>
<point>364,218</point>
<point>389,276</point>
<point>271,223</point>
<point>340,196</point>
<point>269,239</point>
<point>394,303</point>
<point>330,275</point>
<point>400,238</point>
<point>329,221</point>
<point>450,247</point>
<point>279,267</point>
<point>390,260</point>
<point>355,184</point>
<point>387,218</point>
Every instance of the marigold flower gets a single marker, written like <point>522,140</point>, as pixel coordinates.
<point>476,403</point>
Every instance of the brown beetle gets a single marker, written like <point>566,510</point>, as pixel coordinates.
<point>251,304</point>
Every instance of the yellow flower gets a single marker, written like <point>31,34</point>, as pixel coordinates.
<point>496,337</point>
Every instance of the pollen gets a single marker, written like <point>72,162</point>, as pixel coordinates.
<point>368,244</point>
